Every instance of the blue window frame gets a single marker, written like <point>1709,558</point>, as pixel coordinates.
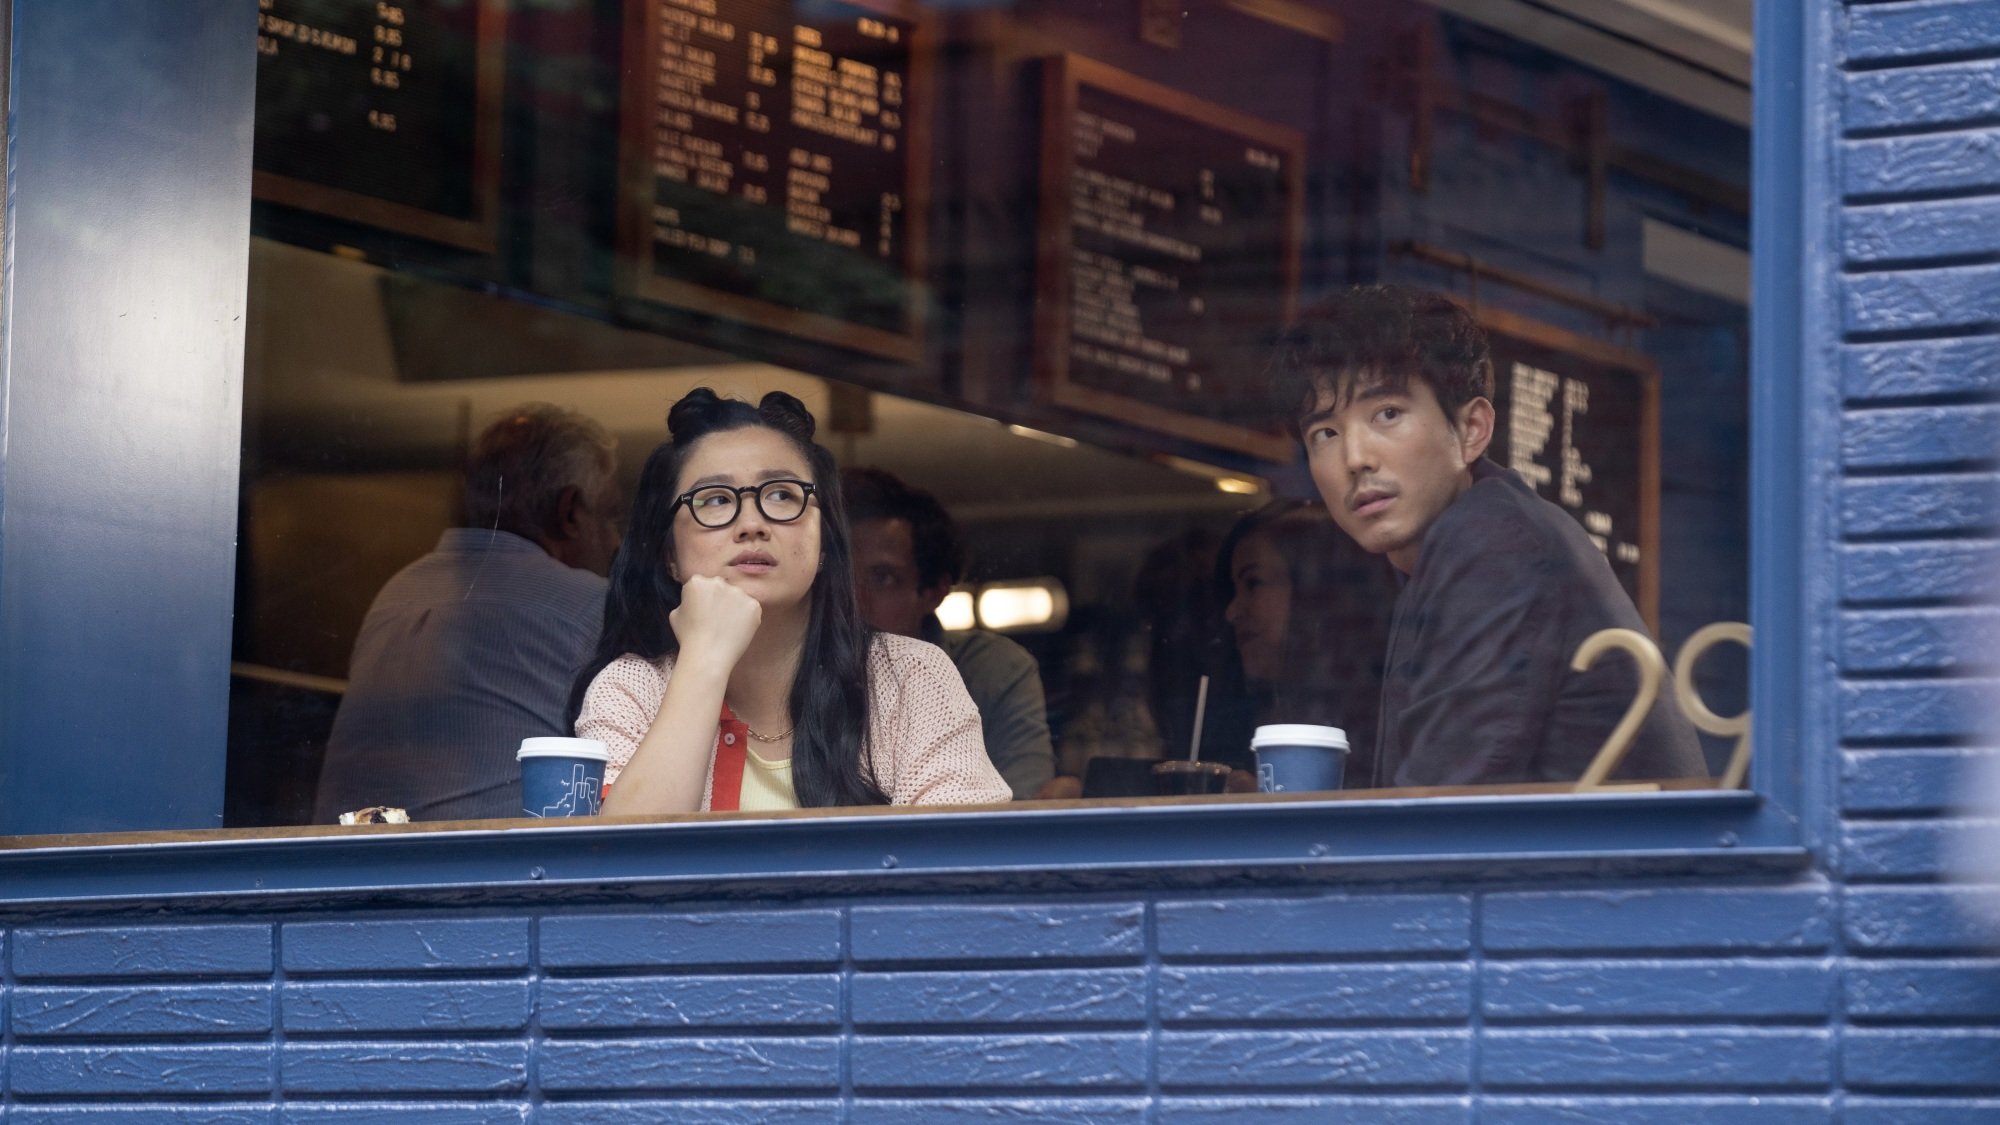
<point>44,497</point>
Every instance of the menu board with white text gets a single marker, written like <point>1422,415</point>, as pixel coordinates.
<point>383,113</point>
<point>1170,234</point>
<point>1579,421</point>
<point>774,162</point>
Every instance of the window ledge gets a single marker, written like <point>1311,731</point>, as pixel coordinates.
<point>1154,842</point>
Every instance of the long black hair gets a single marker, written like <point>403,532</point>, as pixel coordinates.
<point>1338,633</point>
<point>829,696</point>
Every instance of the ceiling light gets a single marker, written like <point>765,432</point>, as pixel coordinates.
<point>1240,483</point>
<point>955,612</point>
<point>1045,438</point>
<point>1035,605</point>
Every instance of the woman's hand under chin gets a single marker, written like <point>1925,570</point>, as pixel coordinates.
<point>715,622</point>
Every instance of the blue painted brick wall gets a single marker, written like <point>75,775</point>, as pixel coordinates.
<point>1633,1002</point>
<point>1863,990</point>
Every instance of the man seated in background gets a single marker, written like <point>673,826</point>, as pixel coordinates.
<point>472,647</point>
<point>1390,390</point>
<point>907,557</point>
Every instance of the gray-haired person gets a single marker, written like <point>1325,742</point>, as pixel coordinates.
<point>472,647</point>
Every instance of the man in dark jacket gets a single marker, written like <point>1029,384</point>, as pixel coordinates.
<point>1391,390</point>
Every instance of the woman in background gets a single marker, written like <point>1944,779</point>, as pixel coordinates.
<point>734,670</point>
<point>1308,612</point>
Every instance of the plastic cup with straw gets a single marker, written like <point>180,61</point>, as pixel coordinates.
<point>1194,777</point>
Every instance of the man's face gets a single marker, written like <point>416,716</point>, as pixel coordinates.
<point>885,577</point>
<point>1388,462</point>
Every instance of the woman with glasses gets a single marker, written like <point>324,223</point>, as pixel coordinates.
<point>734,671</point>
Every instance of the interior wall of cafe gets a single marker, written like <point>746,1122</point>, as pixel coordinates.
<point>1857,985</point>
<point>366,379</point>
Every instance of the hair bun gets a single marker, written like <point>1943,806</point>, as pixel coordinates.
<point>784,412</point>
<point>695,414</point>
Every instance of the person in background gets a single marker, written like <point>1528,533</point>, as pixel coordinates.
<point>1307,612</point>
<point>1390,391</point>
<point>907,557</point>
<point>734,670</point>
<point>472,647</point>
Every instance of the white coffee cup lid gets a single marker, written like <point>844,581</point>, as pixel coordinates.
<point>1299,734</point>
<point>551,747</point>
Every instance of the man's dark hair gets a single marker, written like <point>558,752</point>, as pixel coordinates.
<point>1380,335</point>
<point>520,465</point>
<point>877,494</point>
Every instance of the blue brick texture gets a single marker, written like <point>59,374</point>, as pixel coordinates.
<point>161,1113</point>
<point>1697,1058</point>
<point>399,1067</point>
<point>1903,991</point>
<point>1911,31</point>
<point>1940,1058</point>
<point>1929,504</point>
<point>1320,1060</point>
<point>143,951</point>
<point>1254,1110</point>
<point>412,1006</point>
<point>1001,1111</point>
<point>1351,925</point>
<point>1928,919</point>
<point>1720,991</point>
<point>1920,640</point>
<point>1958,161</point>
<point>1084,1060</point>
<point>1760,1110</point>
<point>1919,97</point>
<point>1921,1111</point>
<point>643,1003</point>
<point>1916,1021</point>
<point>391,1113</point>
<point>186,1011</point>
<point>1690,920</point>
<point>139,1069</point>
<point>738,937</point>
<point>691,1063</point>
<point>1859,985</point>
<point>1315,993</point>
<point>889,934</point>
<point>1101,996</point>
<point>640,1111</point>
<point>1911,369</point>
<point>428,945</point>
<point>1912,781</point>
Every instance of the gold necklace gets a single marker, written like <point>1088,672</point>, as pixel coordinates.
<point>769,738</point>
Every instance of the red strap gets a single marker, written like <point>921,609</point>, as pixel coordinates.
<point>725,790</point>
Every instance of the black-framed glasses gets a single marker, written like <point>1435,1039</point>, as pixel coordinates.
<point>718,505</point>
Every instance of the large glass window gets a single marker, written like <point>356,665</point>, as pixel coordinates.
<point>1030,267</point>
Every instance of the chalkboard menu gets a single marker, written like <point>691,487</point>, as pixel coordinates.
<point>1169,255</point>
<point>774,164</point>
<point>385,113</point>
<point>1579,420</point>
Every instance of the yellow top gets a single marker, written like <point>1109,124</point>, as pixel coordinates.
<point>766,784</point>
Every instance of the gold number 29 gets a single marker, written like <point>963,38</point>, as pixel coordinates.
<point>1653,670</point>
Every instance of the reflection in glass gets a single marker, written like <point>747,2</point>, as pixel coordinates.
<point>1048,304</point>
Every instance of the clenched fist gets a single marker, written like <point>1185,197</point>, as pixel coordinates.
<point>715,621</point>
